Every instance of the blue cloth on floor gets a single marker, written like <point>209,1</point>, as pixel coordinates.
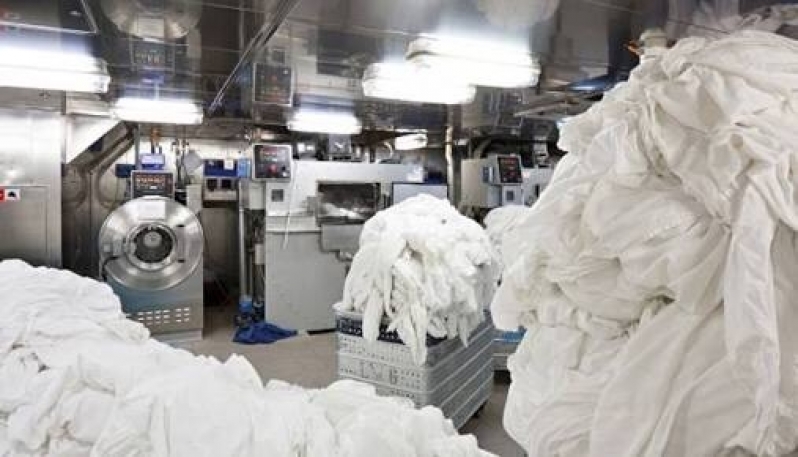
<point>261,332</point>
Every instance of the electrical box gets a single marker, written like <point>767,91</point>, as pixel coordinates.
<point>220,180</point>
<point>148,182</point>
<point>493,181</point>
<point>216,168</point>
<point>272,161</point>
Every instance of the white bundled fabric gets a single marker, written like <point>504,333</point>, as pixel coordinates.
<point>426,267</point>
<point>657,273</point>
<point>78,379</point>
<point>716,18</point>
<point>501,224</point>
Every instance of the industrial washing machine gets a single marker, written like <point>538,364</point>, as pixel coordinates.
<point>151,255</point>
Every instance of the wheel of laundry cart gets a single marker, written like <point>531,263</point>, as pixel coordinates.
<point>151,243</point>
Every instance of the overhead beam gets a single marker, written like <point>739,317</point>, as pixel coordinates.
<point>266,32</point>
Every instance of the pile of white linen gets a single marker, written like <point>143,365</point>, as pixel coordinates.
<point>78,379</point>
<point>716,18</point>
<point>426,267</point>
<point>657,273</point>
<point>501,224</point>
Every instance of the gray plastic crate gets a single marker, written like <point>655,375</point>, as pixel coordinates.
<point>456,378</point>
<point>389,349</point>
<point>503,350</point>
<point>383,363</point>
<point>462,392</point>
<point>477,400</point>
<point>438,394</point>
<point>459,398</point>
<point>505,344</point>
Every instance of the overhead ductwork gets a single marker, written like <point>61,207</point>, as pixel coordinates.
<point>166,20</point>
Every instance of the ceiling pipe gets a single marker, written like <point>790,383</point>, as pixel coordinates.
<point>266,32</point>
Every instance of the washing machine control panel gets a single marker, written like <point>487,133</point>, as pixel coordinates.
<point>272,161</point>
<point>148,182</point>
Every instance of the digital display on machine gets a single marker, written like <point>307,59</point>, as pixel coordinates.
<point>152,161</point>
<point>145,183</point>
<point>272,161</point>
<point>510,171</point>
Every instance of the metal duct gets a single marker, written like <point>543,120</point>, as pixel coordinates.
<point>620,61</point>
<point>159,19</point>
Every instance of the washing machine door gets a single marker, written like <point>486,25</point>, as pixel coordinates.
<point>150,243</point>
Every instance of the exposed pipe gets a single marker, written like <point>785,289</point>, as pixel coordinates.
<point>449,152</point>
<point>281,12</point>
<point>243,264</point>
<point>387,144</point>
<point>137,146</point>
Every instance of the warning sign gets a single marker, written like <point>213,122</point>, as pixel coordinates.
<point>10,195</point>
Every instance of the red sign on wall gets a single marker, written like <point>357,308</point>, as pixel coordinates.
<point>2,195</point>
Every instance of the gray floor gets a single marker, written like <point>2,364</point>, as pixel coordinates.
<point>310,362</point>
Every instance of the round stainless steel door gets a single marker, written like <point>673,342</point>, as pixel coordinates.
<point>151,243</point>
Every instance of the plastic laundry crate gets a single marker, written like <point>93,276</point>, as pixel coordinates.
<point>472,405</point>
<point>454,377</point>
<point>505,344</point>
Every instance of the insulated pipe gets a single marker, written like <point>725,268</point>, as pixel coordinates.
<point>137,146</point>
<point>449,152</point>
<point>390,147</point>
<point>243,265</point>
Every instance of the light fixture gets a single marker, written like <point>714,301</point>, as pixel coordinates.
<point>330,122</point>
<point>479,62</point>
<point>157,111</point>
<point>408,82</point>
<point>410,142</point>
<point>48,70</point>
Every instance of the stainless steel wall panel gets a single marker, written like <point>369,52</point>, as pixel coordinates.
<point>30,160</point>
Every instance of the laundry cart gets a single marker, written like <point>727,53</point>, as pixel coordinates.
<point>505,344</point>
<point>456,378</point>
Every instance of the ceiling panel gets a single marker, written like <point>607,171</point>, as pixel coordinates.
<point>328,43</point>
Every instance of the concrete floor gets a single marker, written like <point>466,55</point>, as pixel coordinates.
<point>309,361</point>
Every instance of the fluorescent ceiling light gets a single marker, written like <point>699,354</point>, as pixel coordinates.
<point>47,70</point>
<point>408,82</point>
<point>477,62</point>
<point>410,142</point>
<point>157,111</point>
<point>331,122</point>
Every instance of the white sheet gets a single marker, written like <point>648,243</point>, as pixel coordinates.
<point>424,267</point>
<point>77,379</point>
<point>656,272</point>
